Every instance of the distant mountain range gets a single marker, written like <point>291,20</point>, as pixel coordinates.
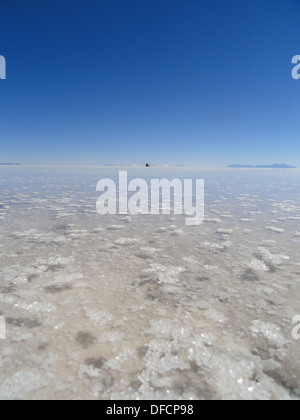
<point>274,166</point>
<point>9,164</point>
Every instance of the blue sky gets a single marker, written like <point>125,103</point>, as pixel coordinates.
<point>167,81</point>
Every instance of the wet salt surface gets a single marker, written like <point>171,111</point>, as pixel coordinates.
<point>144,307</point>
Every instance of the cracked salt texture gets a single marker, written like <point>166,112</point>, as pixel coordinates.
<point>138,307</point>
<point>275,229</point>
<point>270,331</point>
<point>258,265</point>
<point>166,274</point>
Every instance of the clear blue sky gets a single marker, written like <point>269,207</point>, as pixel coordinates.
<point>167,81</point>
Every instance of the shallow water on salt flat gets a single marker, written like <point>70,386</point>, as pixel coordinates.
<point>145,307</point>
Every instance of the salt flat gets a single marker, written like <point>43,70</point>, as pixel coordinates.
<point>145,307</point>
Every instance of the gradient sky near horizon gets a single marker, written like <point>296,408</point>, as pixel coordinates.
<point>188,82</point>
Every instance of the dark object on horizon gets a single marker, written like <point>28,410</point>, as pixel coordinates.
<point>148,165</point>
<point>274,166</point>
<point>9,164</point>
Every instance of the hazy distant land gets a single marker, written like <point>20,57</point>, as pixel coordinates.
<point>273,166</point>
<point>236,165</point>
<point>9,164</point>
